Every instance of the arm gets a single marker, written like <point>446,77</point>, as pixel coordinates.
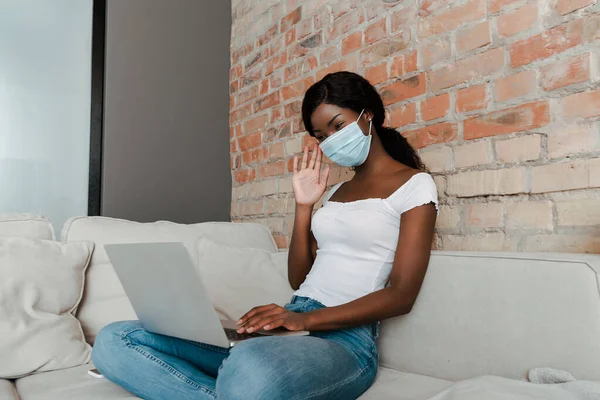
<point>408,271</point>
<point>301,255</point>
<point>309,185</point>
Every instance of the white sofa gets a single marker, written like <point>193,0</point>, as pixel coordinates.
<point>477,314</point>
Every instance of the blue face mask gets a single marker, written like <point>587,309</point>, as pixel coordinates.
<point>349,147</point>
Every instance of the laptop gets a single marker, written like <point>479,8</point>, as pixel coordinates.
<point>166,291</point>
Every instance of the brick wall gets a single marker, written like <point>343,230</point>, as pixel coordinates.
<point>501,97</point>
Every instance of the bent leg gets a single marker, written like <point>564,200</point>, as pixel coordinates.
<point>290,368</point>
<point>154,366</point>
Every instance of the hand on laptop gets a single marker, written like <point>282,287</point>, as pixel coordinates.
<point>271,316</point>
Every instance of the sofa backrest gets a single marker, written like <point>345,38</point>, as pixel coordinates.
<point>26,225</point>
<point>104,300</point>
<point>500,314</point>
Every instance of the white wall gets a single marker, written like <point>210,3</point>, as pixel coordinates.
<point>45,70</point>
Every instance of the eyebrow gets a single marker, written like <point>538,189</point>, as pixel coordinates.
<point>329,123</point>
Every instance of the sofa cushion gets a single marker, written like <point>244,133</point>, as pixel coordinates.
<point>104,300</point>
<point>26,225</point>
<point>238,279</point>
<point>8,390</point>
<point>396,385</point>
<point>72,383</point>
<point>41,283</point>
<point>500,314</point>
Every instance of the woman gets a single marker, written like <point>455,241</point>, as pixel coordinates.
<point>351,266</point>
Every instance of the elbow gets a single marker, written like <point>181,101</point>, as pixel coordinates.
<point>294,285</point>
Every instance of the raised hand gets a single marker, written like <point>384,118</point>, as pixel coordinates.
<point>309,182</point>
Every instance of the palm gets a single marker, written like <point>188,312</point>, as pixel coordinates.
<point>309,182</point>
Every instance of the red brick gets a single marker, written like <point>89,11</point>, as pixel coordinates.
<point>546,44</point>
<point>518,21</point>
<point>231,131</point>
<point>329,55</point>
<point>374,32</point>
<point>276,151</point>
<point>253,156</point>
<point>247,95</point>
<point>277,113</point>
<point>244,175</point>
<point>290,37</point>
<point>347,64</point>
<point>404,64</point>
<point>309,141</point>
<point>266,102</point>
<point>235,72</point>
<point>304,66</point>
<point>516,119</point>
<point>267,36</point>
<point>568,6</point>
<point>474,67</point>
<point>517,85</point>
<point>582,105</point>
<point>404,89</point>
<point>322,18</point>
<point>231,102</point>
<point>250,77</point>
<point>435,107</point>
<point>351,43</point>
<point>264,87</point>
<point>238,130</point>
<point>434,52</point>
<point>291,19</point>
<point>403,19</point>
<point>345,24</point>
<point>566,72</point>
<point>240,114</point>
<point>250,141</point>
<point>272,169</point>
<point>304,28</point>
<point>255,59</point>
<point>233,146</point>
<point>403,115</point>
<point>234,86</point>
<point>293,109</point>
<point>276,79</point>
<point>498,5</point>
<point>375,53</point>
<point>243,51</point>
<point>296,89</point>
<point>256,123</point>
<point>399,41</point>
<point>433,134</point>
<point>473,37</point>
<point>472,10</point>
<point>277,45</point>
<point>430,6</point>
<point>471,98</point>
<point>281,241</point>
<point>377,74</point>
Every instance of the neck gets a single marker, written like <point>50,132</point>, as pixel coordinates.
<point>378,160</point>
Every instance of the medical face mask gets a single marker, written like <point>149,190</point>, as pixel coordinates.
<point>349,147</point>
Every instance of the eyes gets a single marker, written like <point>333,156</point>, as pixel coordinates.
<point>338,125</point>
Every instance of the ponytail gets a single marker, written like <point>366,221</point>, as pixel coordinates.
<point>399,149</point>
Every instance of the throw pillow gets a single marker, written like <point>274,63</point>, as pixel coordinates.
<point>41,284</point>
<point>238,279</point>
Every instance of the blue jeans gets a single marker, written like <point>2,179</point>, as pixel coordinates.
<point>339,364</point>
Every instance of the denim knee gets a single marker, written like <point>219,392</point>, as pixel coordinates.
<point>246,374</point>
<point>110,344</point>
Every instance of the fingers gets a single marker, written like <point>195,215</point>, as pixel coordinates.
<point>305,158</point>
<point>274,324</point>
<point>267,320</point>
<point>319,158</point>
<point>313,159</point>
<point>295,164</point>
<point>324,176</point>
<point>253,322</point>
<point>255,311</point>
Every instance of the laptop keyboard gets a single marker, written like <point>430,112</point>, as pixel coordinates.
<point>233,335</point>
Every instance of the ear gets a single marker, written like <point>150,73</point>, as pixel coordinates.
<point>368,115</point>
